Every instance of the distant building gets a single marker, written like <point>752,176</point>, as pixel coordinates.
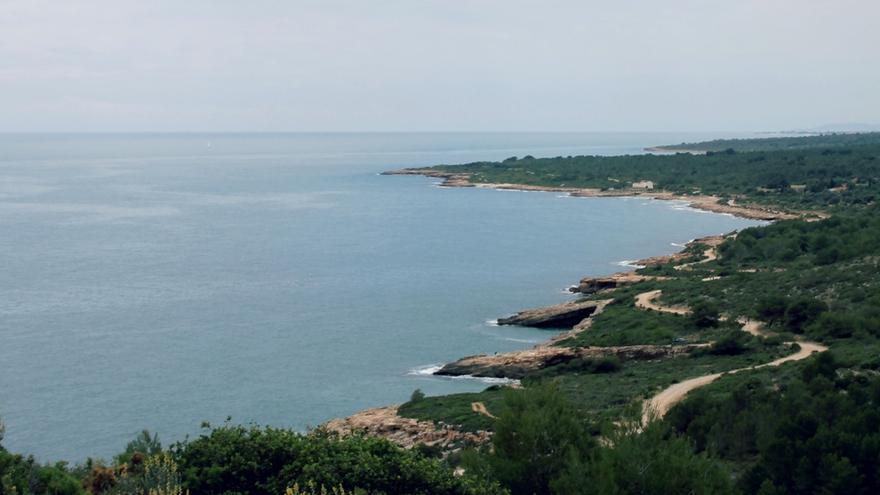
<point>644,184</point>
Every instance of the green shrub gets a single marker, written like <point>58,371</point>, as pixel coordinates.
<point>417,395</point>
<point>648,462</point>
<point>156,475</point>
<point>536,432</point>
<point>731,344</point>
<point>144,443</point>
<point>705,314</point>
<point>803,312</point>
<point>256,460</point>
<point>21,475</point>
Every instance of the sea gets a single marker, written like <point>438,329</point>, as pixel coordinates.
<point>159,281</point>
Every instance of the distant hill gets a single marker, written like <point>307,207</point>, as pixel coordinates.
<point>822,140</point>
<point>847,127</point>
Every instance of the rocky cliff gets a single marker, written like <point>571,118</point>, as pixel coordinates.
<point>516,364</point>
<point>565,315</point>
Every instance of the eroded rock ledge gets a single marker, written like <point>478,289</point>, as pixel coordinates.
<point>406,432</point>
<point>516,364</point>
<point>592,285</point>
<point>565,315</point>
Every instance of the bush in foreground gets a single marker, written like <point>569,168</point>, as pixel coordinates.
<point>256,460</point>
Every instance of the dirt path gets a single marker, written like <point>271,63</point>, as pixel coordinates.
<point>645,300</point>
<point>657,406</point>
<point>480,408</point>
<point>710,254</point>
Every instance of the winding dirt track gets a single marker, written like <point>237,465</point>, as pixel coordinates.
<point>657,406</point>
<point>645,300</point>
<point>710,254</point>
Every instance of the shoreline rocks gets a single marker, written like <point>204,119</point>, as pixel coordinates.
<point>564,316</point>
<point>385,422</point>
<point>712,241</point>
<point>592,285</point>
<point>515,365</point>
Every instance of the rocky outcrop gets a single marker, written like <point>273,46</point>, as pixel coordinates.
<point>565,315</point>
<point>449,179</point>
<point>517,364</point>
<point>711,241</point>
<point>592,285</point>
<point>406,432</point>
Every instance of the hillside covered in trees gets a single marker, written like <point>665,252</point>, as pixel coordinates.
<point>803,173</point>
<point>825,140</point>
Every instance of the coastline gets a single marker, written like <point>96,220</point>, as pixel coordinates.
<point>699,202</point>
<point>671,151</point>
<point>406,432</point>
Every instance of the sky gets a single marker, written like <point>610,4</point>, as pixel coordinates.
<point>445,65</point>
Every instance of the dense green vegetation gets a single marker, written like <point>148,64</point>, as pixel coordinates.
<point>234,459</point>
<point>544,445</point>
<point>812,430</point>
<point>238,459</point>
<point>845,173</point>
<point>810,426</point>
<point>829,140</point>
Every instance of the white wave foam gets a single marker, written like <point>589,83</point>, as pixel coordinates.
<point>492,323</point>
<point>490,381</point>
<point>523,341</point>
<point>430,369</point>
<point>629,264</point>
<point>427,370</point>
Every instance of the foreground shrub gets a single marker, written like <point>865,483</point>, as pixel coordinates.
<point>21,475</point>
<point>256,460</point>
<point>156,476</point>
<point>536,432</point>
<point>648,462</point>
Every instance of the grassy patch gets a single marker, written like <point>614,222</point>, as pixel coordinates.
<point>455,409</point>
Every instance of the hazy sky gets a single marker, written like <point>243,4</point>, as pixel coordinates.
<point>409,65</point>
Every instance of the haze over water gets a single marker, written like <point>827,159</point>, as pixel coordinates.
<point>159,280</point>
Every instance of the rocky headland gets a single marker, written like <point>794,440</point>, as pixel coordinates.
<point>515,365</point>
<point>406,432</point>
<point>566,315</point>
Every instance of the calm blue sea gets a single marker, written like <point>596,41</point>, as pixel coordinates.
<point>159,280</point>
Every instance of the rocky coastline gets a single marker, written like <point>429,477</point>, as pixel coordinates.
<point>571,317</point>
<point>406,432</point>
<point>515,365</point>
<point>697,201</point>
